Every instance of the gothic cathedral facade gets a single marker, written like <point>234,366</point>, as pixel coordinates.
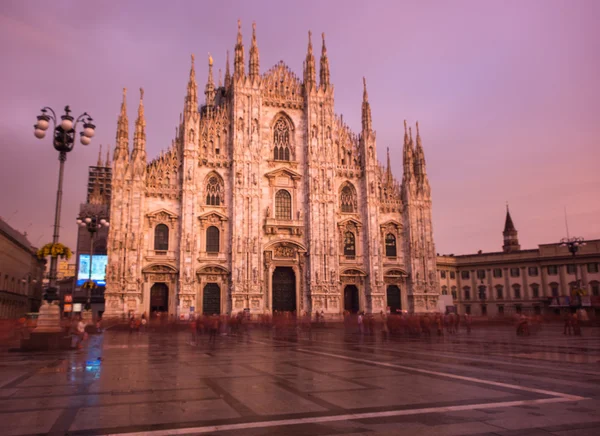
<point>267,201</point>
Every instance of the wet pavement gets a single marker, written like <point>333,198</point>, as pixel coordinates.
<point>489,382</point>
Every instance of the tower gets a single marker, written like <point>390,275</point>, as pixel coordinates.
<point>511,239</point>
<point>419,246</point>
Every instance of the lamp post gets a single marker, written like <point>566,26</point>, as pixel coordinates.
<point>92,223</point>
<point>573,245</point>
<point>63,140</point>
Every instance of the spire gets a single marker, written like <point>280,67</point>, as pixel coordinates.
<point>191,98</point>
<point>408,154</point>
<point>511,238</point>
<point>508,223</point>
<point>309,66</point>
<point>209,91</point>
<point>99,164</point>
<point>253,67</point>
<point>238,63</point>
<point>227,73</point>
<point>419,157</point>
<point>324,73</point>
<point>122,140</point>
<point>139,137</point>
<point>388,173</point>
<point>367,125</point>
<point>107,164</point>
<point>220,85</point>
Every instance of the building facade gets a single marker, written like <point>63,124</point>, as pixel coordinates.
<point>535,281</point>
<point>21,274</point>
<point>97,204</point>
<point>267,201</point>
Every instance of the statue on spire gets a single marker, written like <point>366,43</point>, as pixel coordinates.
<point>324,73</point>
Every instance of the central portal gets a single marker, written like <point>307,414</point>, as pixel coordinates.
<point>284,289</point>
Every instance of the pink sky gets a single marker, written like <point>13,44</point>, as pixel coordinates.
<point>507,94</point>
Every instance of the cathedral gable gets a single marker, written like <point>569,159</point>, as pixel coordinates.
<point>282,88</point>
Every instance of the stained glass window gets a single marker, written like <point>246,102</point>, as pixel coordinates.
<point>212,240</point>
<point>281,140</point>
<point>349,244</point>
<point>390,246</point>
<point>214,191</point>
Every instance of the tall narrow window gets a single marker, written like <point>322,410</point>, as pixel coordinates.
<point>349,244</point>
<point>161,237</point>
<point>214,191</point>
<point>212,240</point>
<point>390,245</point>
<point>281,140</point>
<point>283,205</point>
<point>348,199</point>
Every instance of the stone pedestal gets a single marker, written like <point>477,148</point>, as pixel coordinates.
<point>49,318</point>
<point>48,335</point>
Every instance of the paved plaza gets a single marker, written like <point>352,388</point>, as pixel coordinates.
<point>487,383</point>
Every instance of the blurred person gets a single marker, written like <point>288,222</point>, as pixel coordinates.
<point>468,320</point>
<point>214,328</point>
<point>360,320</point>
<point>568,324</point>
<point>385,331</point>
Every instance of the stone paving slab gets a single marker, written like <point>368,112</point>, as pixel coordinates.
<point>162,382</point>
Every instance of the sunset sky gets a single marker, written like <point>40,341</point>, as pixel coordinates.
<point>507,95</point>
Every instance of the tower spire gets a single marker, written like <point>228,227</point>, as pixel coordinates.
<point>227,73</point>
<point>209,91</point>
<point>107,164</point>
<point>191,98</point>
<point>139,137</point>
<point>324,72</point>
<point>309,66</point>
<point>407,155</point>
<point>253,67</point>
<point>99,164</point>
<point>388,172</point>
<point>122,140</point>
<point>238,64</point>
<point>419,157</point>
<point>367,124</point>
<point>511,239</point>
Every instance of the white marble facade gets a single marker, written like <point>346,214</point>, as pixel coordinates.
<point>267,201</point>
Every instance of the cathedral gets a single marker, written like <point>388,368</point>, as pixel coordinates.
<point>266,202</point>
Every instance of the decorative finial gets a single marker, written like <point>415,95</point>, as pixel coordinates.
<point>365,94</point>
<point>220,79</point>
<point>254,29</point>
<point>405,128</point>
<point>309,41</point>
<point>141,94</point>
<point>417,128</point>
<point>193,59</point>
<point>239,25</point>
<point>410,133</point>
<point>210,60</point>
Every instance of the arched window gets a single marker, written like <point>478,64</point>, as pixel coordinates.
<point>283,205</point>
<point>349,244</point>
<point>444,290</point>
<point>214,191</point>
<point>161,237</point>
<point>281,140</point>
<point>390,245</point>
<point>212,240</point>
<point>348,199</point>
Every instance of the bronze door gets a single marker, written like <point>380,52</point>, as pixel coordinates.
<point>393,298</point>
<point>159,298</point>
<point>351,299</point>
<point>284,289</point>
<point>211,299</point>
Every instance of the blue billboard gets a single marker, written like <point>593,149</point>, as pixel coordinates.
<point>99,262</point>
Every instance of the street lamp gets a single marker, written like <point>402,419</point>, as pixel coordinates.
<point>573,245</point>
<point>92,223</point>
<point>63,140</point>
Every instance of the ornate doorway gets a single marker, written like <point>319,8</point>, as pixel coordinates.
<point>351,299</point>
<point>159,298</point>
<point>393,298</point>
<point>284,289</point>
<point>211,299</point>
